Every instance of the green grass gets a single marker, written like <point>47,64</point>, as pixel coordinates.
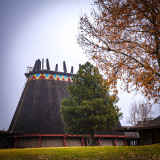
<point>147,152</point>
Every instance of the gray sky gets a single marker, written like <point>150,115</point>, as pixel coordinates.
<point>36,29</point>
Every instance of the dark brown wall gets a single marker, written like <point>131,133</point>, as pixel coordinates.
<point>145,137</point>
<point>156,135</point>
<point>6,141</point>
<point>2,141</point>
<point>151,136</point>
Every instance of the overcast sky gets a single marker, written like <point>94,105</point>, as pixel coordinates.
<point>36,29</point>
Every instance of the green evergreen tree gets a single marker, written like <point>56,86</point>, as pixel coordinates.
<point>89,108</point>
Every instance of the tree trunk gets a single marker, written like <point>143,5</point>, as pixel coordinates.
<point>91,140</point>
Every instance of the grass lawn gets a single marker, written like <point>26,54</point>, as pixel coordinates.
<point>147,152</point>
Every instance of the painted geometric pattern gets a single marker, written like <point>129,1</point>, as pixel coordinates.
<point>50,76</point>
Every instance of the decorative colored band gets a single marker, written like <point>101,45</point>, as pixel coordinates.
<point>50,76</point>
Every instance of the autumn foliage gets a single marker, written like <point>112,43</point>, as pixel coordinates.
<point>123,38</point>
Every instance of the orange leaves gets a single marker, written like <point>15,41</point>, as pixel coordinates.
<point>125,41</point>
<point>118,35</point>
<point>104,14</point>
<point>94,57</point>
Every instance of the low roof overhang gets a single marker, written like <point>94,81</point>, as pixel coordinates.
<point>136,128</point>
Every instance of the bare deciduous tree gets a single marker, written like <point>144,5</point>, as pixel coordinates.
<point>140,113</point>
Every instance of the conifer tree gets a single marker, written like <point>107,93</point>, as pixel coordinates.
<point>89,108</point>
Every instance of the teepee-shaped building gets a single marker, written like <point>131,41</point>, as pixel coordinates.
<point>38,108</point>
<point>37,122</point>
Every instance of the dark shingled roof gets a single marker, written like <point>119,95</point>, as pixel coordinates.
<point>154,122</point>
<point>38,109</point>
